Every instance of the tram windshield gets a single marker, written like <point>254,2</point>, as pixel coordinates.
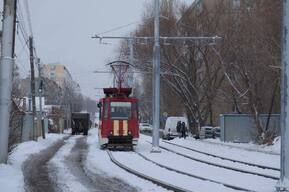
<point>120,110</point>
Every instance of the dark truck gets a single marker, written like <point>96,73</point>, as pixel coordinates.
<point>80,123</point>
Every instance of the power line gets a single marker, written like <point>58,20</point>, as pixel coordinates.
<point>28,16</point>
<point>21,26</point>
<point>21,19</point>
<point>26,34</point>
<point>19,63</point>
<point>23,48</point>
<point>117,28</point>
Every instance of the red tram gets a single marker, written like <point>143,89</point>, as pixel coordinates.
<point>118,120</point>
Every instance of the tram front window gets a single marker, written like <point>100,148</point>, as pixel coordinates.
<point>120,110</point>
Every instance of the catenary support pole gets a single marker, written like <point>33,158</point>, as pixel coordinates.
<point>6,69</point>
<point>40,90</point>
<point>14,27</point>
<point>156,79</point>
<point>32,86</point>
<point>131,52</point>
<point>131,61</point>
<point>283,184</point>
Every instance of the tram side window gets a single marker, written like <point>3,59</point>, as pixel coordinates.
<point>106,106</point>
<point>120,110</point>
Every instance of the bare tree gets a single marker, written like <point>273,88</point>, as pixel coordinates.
<point>236,75</point>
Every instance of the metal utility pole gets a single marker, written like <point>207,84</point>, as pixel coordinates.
<point>131,54</point>
<point>156,77</point>
<point>6,69</point>
<point>40,90</point>
<point>131,61</point>
<point>283,183</point>
<point>14,26</point>
<point>32,84</point>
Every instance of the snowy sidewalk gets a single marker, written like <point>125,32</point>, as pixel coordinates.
<point>11,175</point>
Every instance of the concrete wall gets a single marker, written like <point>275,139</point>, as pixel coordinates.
<point>241,127</point>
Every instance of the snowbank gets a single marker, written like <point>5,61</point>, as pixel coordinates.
<point>270,149</point>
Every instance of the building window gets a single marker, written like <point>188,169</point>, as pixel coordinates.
<point>52,74</point>
<point>52,67</point>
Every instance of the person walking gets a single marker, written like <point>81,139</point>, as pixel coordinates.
<point>183,130</point>
<point>179,124</point>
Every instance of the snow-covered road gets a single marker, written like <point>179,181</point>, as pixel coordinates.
<point>77,164</point>
<point>36,172</point>
<point>73,175</point>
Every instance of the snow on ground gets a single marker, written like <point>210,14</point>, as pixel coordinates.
<point>98,161</point>
<point>138,163</point>
<point>208,171</point>
<point>64,178</point>
<point>234,151</point>
<point>11,176</point>
<point>222,162</point>
<point>268,149</point>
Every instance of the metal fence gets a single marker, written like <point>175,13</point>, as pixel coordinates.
<point>242,128</point>
<point>21,127</point>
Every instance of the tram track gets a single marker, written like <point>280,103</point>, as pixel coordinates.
<point>220,165</point>
<point>165,184</point>
<point>224,158</point>
<point>146,177</point>
<point>194,176</point>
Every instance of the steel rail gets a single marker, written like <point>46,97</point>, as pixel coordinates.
<point>224,158</point>
<point>194,176</point>
<point>146,177</point>
<point>218,165</point>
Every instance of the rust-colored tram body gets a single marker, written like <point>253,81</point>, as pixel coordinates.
<point>118,125</point>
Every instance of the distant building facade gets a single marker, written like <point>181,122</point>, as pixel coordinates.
<point>61,75</point>
<point>57,72</point>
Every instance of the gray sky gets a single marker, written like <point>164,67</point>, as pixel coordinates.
<point>63,28</point>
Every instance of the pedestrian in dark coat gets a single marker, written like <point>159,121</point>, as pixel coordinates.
<point>179,124</point>
<point>183,130</point>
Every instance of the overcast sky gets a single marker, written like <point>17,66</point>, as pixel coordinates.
<point>63,28</point>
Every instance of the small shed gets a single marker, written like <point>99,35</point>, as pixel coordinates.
<point>241,127</point>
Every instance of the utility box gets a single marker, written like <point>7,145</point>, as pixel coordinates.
<point>80,123</point>
<point>241,127</point>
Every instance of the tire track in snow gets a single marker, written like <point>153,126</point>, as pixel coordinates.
<point>36,171</point>
<point>73,176</point>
